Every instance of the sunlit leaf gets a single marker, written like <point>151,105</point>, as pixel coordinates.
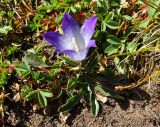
<point>59,18</point>
<point>127,17</point>
<point>46,93</point>
<point>93,101</point>
<point>111,49</point>
<point>5,29</point>
<point>109,17</point>
<point>73,9</point>
<point>112,24</point>
<point>94,106</point>
<point>144,23</point>
<point>31,95</point>
<point>42,99</point>
<point>153,7</point>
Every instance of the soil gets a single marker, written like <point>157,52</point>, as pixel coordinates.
<point>140,109</point>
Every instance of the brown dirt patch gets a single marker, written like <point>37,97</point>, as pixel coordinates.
<point>140,109</point>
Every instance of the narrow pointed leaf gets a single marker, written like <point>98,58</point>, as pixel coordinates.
<point>71,83</point>
<point>46,93</point>
<point>94,106</point>
<point>42,99</point>
<point>109,17</point>
<point>108,92</point>
<point>71,102</point>
<point>112,25</point>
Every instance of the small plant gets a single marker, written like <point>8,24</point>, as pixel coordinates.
<point>77,81</point>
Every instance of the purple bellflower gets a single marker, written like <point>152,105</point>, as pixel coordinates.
<point>75,41</point>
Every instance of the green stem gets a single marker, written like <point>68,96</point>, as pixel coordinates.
<point>128,53</point>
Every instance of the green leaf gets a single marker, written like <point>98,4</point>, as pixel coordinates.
<point>69,1</point>
<point>97,35</point>
<point>122,68</point>
<point>26,66</point>
<point>21,69</point>
<point>103,26</point>
<point>24,69</point>
<point>99,3</point>
<point>116,60</point>
<point>144,23</point>
<point>100,90</point>
<point>107,92</point>
<point>42,99</point>
<point>109,17</point>
<point>54,2</point>
<point>127,17</point>
<point>35,61</point>
<point>69,61</point>
<point>95,106</point>
<point>72,82</point>
<point>113,40</point>
<point>36,50</point>
<point>131,46</point>
<point>93,101</point>
<point>93,65</point>
<point>46,93</point>
<point>123,46</point>
<point>153,7</point>
<point>59,18</point>
<point>78,6</point>
<point>73,9</point>
<point>36,75</point>
<point>71,102</point>
<point>112,24</point>
<point>46,8</point>
<point>31,95</point>
<point>5,29</point>
<point>111,50</point>
<point>25,90</point>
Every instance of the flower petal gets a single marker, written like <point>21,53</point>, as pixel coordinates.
<point>68,22</point>
<point>58,41</point>
<point>72,30</point>
<point>77,56</point>
<point>53,38</point>
<point>87,29</point>
<point>92,43</point>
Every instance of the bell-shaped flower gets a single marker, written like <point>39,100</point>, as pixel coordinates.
<point>75,41</point>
